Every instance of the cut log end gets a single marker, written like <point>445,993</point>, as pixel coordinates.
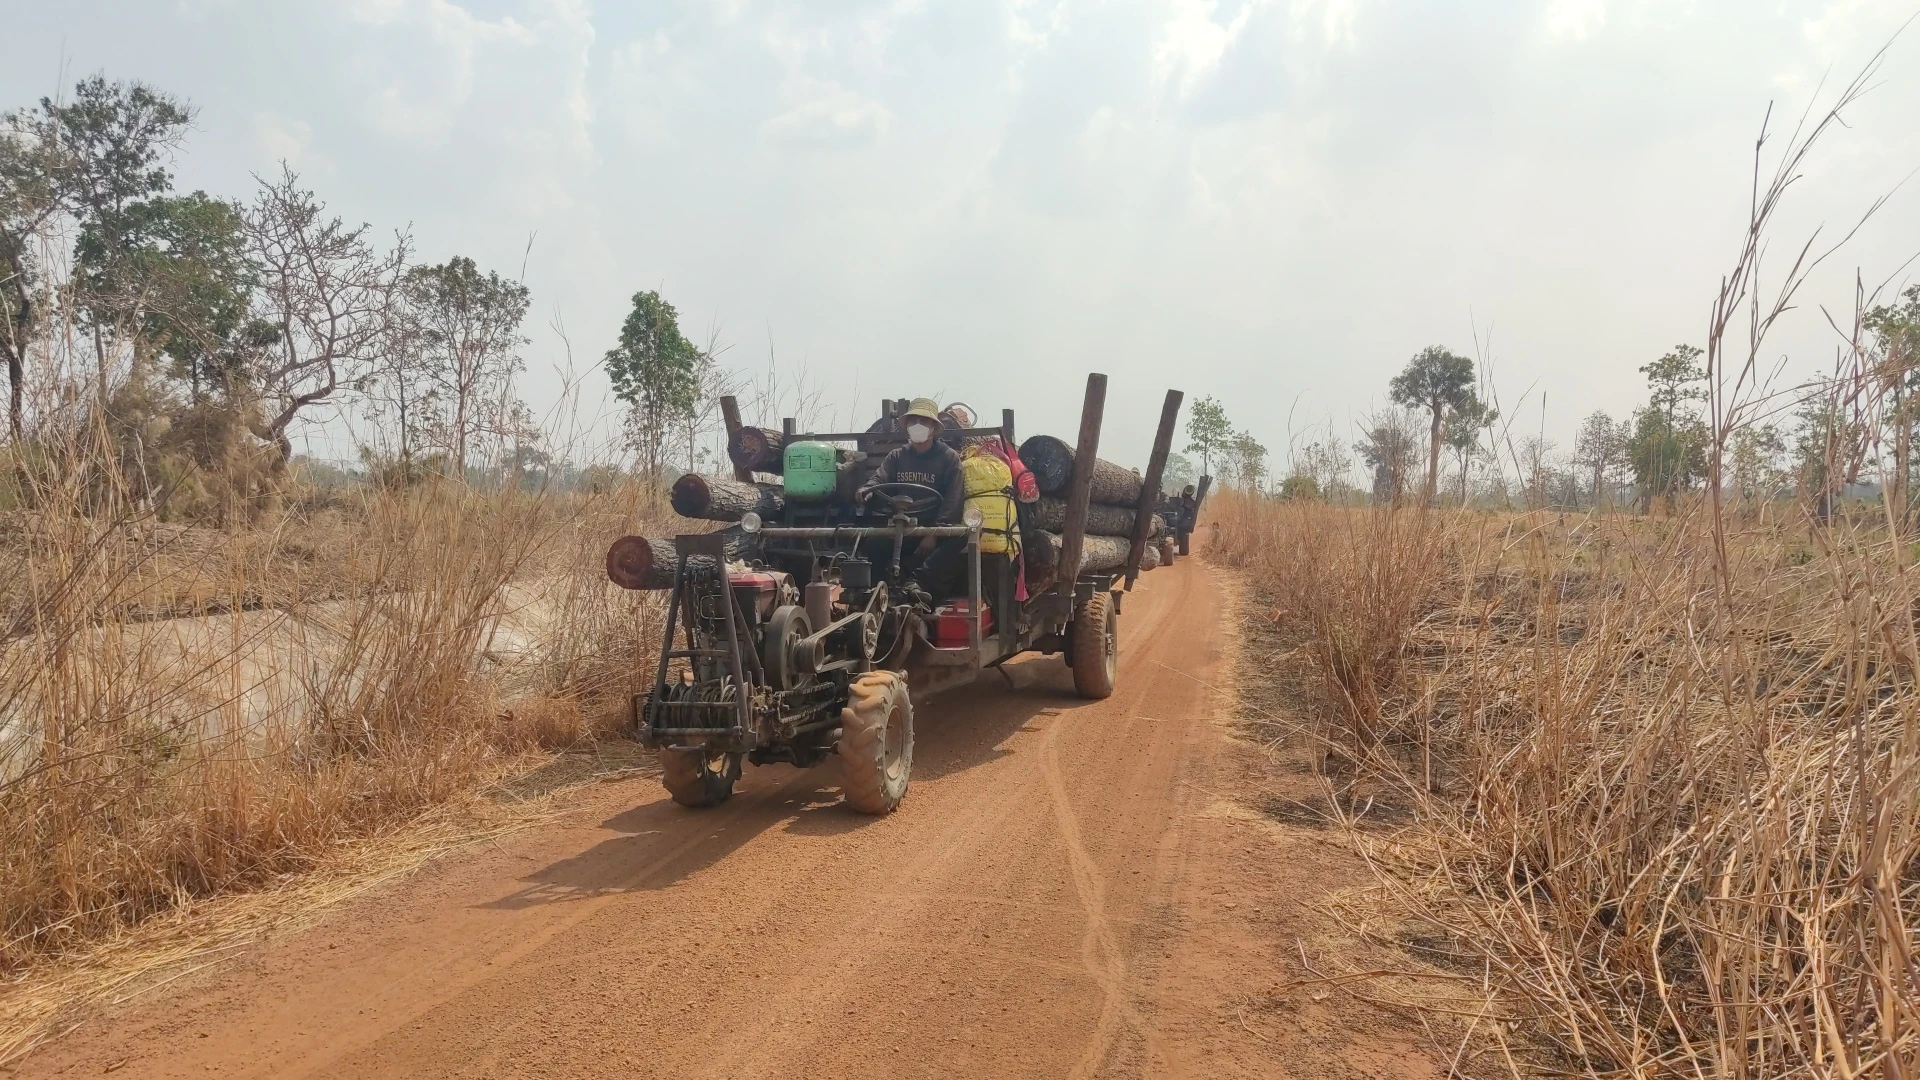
<point>691,495</point>
<point>630,563</point>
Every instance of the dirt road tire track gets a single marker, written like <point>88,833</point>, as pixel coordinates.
<point>1072,888</point>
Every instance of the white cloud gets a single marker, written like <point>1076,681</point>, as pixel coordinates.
<point>824,114</point>
<point>1574,20</point>
<point>1191,43</point>
<point>288,139</point>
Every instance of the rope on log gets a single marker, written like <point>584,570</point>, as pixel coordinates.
<point>720,498</point>
<point>1051,461</point>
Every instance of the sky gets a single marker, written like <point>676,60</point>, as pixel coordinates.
<point>1274,202</point>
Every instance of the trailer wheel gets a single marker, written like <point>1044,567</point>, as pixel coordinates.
<point>876,742</point>
<point>1095,644</point>
<point>698,778</point>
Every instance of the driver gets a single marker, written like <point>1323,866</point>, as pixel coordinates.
<point>930,462</point>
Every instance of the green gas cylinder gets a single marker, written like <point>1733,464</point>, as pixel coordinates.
<point>811,470</point>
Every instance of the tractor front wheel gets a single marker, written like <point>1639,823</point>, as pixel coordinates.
<point>1095,646</point>
<point>698,777</point>
<point>876,742</point>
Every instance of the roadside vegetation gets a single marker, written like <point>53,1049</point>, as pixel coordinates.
<point>222,659</point>
<point>1653,709</point>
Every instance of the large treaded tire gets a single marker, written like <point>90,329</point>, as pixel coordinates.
<point>876,742</point>
<point>1184,535</point>
<point>692,780</point>
<point>1096,634</point>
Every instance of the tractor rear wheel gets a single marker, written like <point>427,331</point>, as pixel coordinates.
<point>1184,534</point>
<point>876,742</point>
<point>698,777</point>
<point>1095,646</point>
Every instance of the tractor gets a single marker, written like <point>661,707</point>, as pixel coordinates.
<point>793,639</point>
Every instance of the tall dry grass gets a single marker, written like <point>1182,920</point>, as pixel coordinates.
<point>186,711</point>
<point>1670,815</point>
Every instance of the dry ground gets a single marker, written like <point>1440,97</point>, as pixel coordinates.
<point>1071,889</point>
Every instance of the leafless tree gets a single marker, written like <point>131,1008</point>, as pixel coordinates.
<point>328,292</point>
<point>711,383</point>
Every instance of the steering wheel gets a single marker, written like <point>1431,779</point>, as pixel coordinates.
<point>904,498</point>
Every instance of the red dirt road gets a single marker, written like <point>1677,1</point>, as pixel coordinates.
<point>1070,890</point>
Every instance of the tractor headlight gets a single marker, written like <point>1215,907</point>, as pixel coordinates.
<point>749,522</point>
<point>974,517</point>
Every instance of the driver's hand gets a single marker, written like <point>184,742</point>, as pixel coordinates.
<point>927,544</point>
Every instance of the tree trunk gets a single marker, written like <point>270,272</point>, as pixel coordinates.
<point>1433,455</point>
<point>16,377</point>
<point>757,449</point>
<point>1051,461</point>
<point>1042,554</point>
<point>717,498</point>
<point>1102,519</point>
<point>650,562</point>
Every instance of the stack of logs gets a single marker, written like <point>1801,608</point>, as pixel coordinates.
<point>637,562</point>
<point>1115,492</point>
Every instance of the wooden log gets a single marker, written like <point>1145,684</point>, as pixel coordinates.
<point>1043,555</point>
<point>717,498</point>
<point>1102,520</point>
<point>650,562</point>
<point>1150,483</point>
<point>730,414</point>
<point>1079,490</point>
<point>757,449</point>
<point>1051,460</point>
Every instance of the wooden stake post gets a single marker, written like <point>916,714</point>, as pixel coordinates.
<point>730,412</point>
<point>1150,483</point>
<point>1074,533</point>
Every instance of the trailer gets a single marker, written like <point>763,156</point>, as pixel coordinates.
<point>794,639</point>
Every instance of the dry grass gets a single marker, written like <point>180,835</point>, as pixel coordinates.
<point>335,673</point>
<point>1667,807</point>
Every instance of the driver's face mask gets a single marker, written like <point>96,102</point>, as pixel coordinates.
<point>920,433</point>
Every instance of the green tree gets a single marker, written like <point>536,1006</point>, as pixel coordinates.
<point>114,139</point>
<point>1674,380</point>
<point>1896,359</point>
<point>1177,473</point>
<point>1440,383</point>
<point>1209,434</point>
<point>1388,447</point>
<point>465,326</point>
<point>178,281</point>
<point>1668,447</point>
<point>655,370</point>
<point>30,200</point>
<point>1756,452</point>
<point>1249,460</point>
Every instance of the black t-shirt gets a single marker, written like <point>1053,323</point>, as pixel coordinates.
<point>937,467</point>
